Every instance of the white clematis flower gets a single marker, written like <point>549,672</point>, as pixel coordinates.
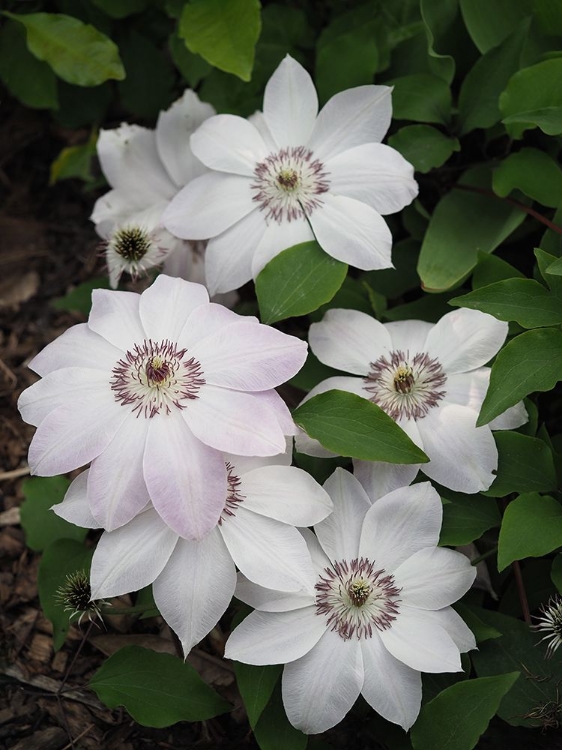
<point>152,390</point>
<point>375,614</point>
<point>193,581</point>
<point>292,175</point>
<point>145,169</point>
<point>430,379</point>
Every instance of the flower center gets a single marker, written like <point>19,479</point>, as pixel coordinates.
<point>355,597</point>
<point>155,377</point>
<point>233,496</point>
<point>288,184</point>
<point>406,387</point>
<point>131,243</point>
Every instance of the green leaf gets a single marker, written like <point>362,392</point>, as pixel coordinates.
<point>490,269</point>
<point>274,732</point>
<point>77,52</point>
<point>40,524</point>
<point>533,172</point>
<point>121,8</point>
<point>531,527</point>
<point>83,107</point>
<point>148,87</point>
<point>80,298</point>
<point>156,689</point>
<point>256,685</point>
<point>549,15</point>
<point>224,32</point>
<point>346,52</point>
<point>31,81</point>
<point>429,307</point>
<point>438,19</point>
<point>74,161</point>
<point>298,281</point>
<point>421,97</point>
<point>353,426</point>
<point>533,97</point>
<point>556,572</point>
<point>466,518</point>
<point>192,67</point>
<point>490,23</point>
<point>463,224</point>
<point>61,558</point>
<point>312,372</point>
<point>482,631</point>
<point>525,301</point>
<point>528,363</point>
<point>525,464</point>
<point>481,89</point>
<point>394,282</point>
<point>423,146</point>
<point>459,715</point>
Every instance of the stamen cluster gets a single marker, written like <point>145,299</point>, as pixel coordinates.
<point>233,497</point>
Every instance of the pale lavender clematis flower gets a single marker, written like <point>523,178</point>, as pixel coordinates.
<point>291,175</point>
<point>375,614</point>
<point>193,581</point>
<point>430,378</point>
<point>151,390</point>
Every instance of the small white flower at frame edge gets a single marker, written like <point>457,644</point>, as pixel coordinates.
<point>292,174</point>
<point>428,377</point>
<point>193,581</point>
<point>549,624</point>
<point>374,616</point>
<point>152,390</point>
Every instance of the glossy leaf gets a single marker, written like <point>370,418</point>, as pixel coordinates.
<point>491,268</point>
<point>532,172</point>
<point>256,685</point>
<point>525,464</point>
<point>41,525</point>
<point>466,518</point>
<point>490,23</point>
<point>531,527</point>
<point>274,732</point>
<point>533,97</point>
<point>423,146</point>
<point>31,81</point>
<point>421,97</point>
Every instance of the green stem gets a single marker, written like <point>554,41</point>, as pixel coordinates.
<point>489,553</point>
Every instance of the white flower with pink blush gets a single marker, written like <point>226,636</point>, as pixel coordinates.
<point>193,581</point>
<point>146,169</point>
<point>428,377</point>
<point>291,175</point>
<point>151,390</point>
<point>374,615</point>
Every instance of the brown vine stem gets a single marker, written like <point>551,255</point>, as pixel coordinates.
<point>521,206</point>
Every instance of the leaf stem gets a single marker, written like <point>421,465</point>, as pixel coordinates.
<point>483,556</point>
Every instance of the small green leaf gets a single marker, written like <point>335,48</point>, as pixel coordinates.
<point>74,161</point>
<point>421,97</point>
<point>482,631</point>
<point>423,146</point>
<point>80,298</point>
<point>490,23</point>
<point>77,52</point>
<point>525,464</point>
<point>534,173</point>
<point>533,97</point>
<point>525,301</point>
<point>459,715</point>
<point>531,527</point>
<point>466,518</point>
<point>298,281</point>
<point>353,426</point>
<point>530,362</point>
<point>40,524</point>
<point>256,685</point>
<point>274,731</point>
<point>158,690</point>
<point>192,67</point>
<point>224,32</point>
<point>27,78</point>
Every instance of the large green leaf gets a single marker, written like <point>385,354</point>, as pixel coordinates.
<point>156,689</point>
<point>223,32</point>
<point>40,524</point>
<point>438,19</point>
<point>531,527</point>
<point>525,464</point>
<point>490,23</point>
<point>76,51</point>
<point>466,518</point>
<point>460,714</point>
<point>534,173</point>
<point>533,97</point>
<point>423,146</point>
<point>421,97</point>
<point>27,78</point>
<point>490,269</point>
<point>530,362</point>
<point>274,731</point>
<point>353,426</point>
<point>298,281</point>
<point>256,685</point>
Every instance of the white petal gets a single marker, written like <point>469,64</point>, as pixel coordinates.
<point>166,305</point>
<point>468,388</point>
<point>116,486</point>
<point>234,422</point>
<point>286,493</point>
<point>267,552</point>
<point>462,456</point>
<point>275,637</point>
<point>229,143</point>
<point>76,347</point>
<point>115,316</point>
<point>339,532</point>
<point>432,578</point>
<point>391,688</point>
<point>290,104</point>
<point>244,464</point>
<point>465,339</point>
<point>115,207</point>
<point>351,118</point>
<point>352,232</point>
<point>421,643</point>
<point>400,524</point>
<point>320,559</point>
<point>374,174</point>
<point>379,478</point>
<point>279,237</point>
<point>75,508</point>
<point>173,129</point>
<point>209,205</point>
<point>258,121</point>
<point>131,557</point>
<point>450,621</point>
<point>130,161</point>
<point>195,588</point>
<point>349,340</point>
<point>512,418</point>
<point>268,600</point>
<point>408,335</point>
<point>320,688</point>
<point>186,479</point>
<point>206,320</point>
<point>279,408</point>
<point>228,259</point>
